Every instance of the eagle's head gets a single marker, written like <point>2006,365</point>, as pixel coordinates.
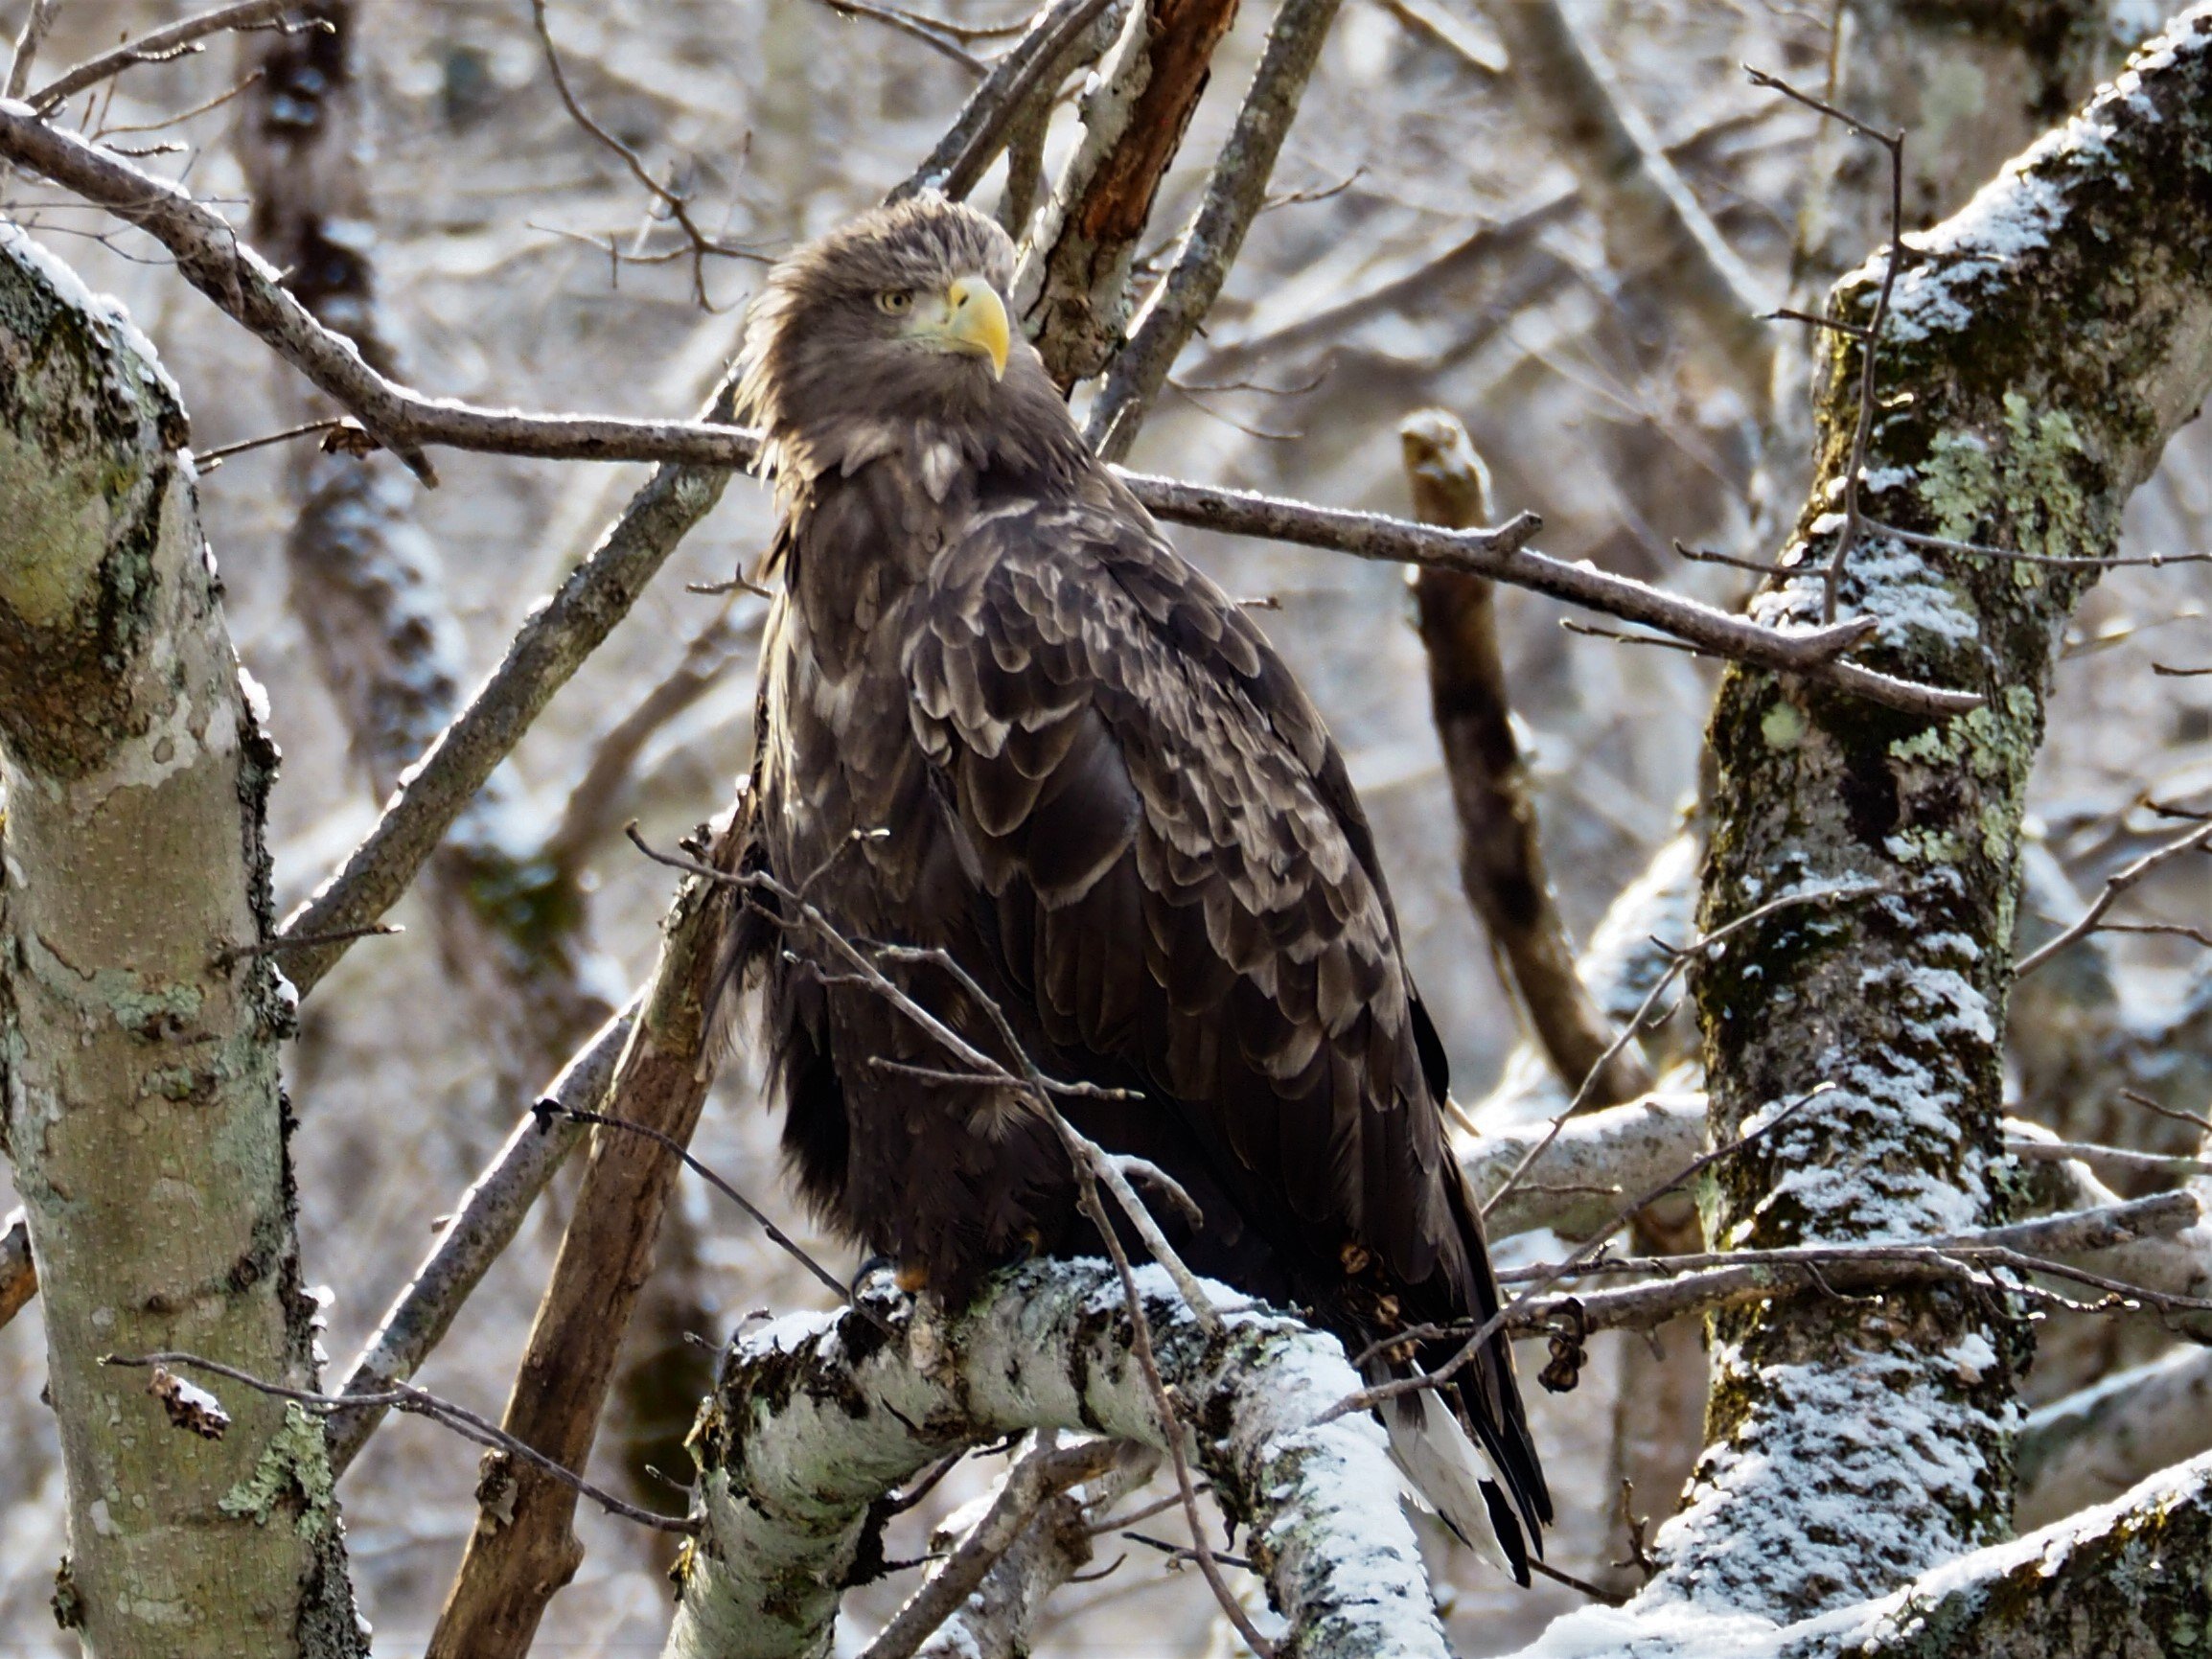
<point>891,335</point>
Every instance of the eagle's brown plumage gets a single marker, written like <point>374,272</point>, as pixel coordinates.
<point>1000,716</point>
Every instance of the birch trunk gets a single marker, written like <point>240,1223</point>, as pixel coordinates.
<point>139,1023</point>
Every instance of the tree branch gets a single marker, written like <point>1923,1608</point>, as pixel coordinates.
<point>1070,292</point>
<point>1233,196</point>
<point>155,46</point>
<point>2091,1446</point>
<point>481,1227</point>
<point>18,1273</point>
<point>513,1565</point>
<point>815,1416</point>
<point>1501,854</point>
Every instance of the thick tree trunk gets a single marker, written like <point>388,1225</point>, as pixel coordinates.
<point>141,1019</point>
<point>2043,345</point>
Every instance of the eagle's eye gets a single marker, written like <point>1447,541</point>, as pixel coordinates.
<point>895,302</point>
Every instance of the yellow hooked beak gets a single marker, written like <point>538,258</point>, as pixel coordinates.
<point>974,320</point>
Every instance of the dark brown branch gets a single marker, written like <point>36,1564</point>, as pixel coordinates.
<point>18,1273</point>
<point>1234,194</point>
<point>1072,292</point>
<point>1501,854</point>
<point>507,1572</point>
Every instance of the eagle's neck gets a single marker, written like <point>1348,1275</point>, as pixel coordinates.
<point>1017,431</point>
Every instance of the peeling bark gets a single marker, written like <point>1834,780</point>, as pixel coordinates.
<point>1071,291</point>
<point>139,1020</point>
<point>815,1417</point>
<point>2051,338</point>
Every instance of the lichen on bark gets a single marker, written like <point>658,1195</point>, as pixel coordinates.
<point>2043,344</point>
<point>145,1121</point>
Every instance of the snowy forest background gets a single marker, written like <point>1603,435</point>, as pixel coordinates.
<point>1429,251</point>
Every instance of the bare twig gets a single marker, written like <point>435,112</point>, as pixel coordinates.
<point>678,204</point>
<point>1038,1477</point>
<point>482,1225</point>
<point>2115,885</point>
<point>1678,961</point>
<point>1233,196</point>
<point>547,1110</point>
<point>936,37</point>
<point>155,46</point>
<point>404,1398</point>
<point>2195,1119</point>
<point>1980,550</point>
<point>36,22</point>
<point>1033,66</point>
<point>1855,468</point>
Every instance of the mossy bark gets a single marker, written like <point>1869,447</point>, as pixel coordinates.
<point>143,1111</point>
<point>2045,344</point>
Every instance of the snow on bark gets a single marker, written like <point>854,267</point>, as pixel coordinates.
<point>139,1020</point>
<point>2050,338</point>
<point>815,1416</point>
<point>2132,1580</point>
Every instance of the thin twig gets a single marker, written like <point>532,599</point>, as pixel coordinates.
<point>155,46</point>
<point>208,462</point>
<point>1678,960</point>
<point>914,27</point>
<point>1832,579</point>
<point>2115,885</point>
<point>2195,1119</point>
<point>548,1109</point>
<point>678,204</point>
<point>404,1398</point>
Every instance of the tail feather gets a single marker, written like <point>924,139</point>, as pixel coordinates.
<point>1455,1476</point>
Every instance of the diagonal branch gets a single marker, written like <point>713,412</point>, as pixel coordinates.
<point>481,1226</point>
<point>511,1570</point>
<point>155,46</point>
<point>1070,292</point>
<point>1234,196</point>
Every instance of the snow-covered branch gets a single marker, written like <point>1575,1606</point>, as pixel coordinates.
<point>2128,1578</point>
<point>815,1416</point>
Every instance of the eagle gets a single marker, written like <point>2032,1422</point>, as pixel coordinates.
<point>1002,721</point>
